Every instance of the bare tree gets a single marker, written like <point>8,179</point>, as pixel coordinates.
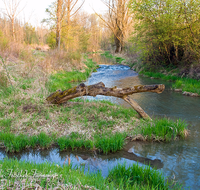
<point>12,10</point>
<point>61,13</point>
<point>58,24</point>
<point>118,20</point>
<point>72,8</point>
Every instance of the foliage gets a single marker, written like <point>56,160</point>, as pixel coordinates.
<point>3,41</point>
<point>51,39</point>
<point>30,35</point>
<point>166,32</point>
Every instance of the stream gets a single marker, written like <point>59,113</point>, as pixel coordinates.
<point>179,160</point>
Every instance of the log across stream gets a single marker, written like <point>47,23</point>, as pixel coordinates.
<point>60,97</point>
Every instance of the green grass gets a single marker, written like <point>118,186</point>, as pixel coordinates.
<point>16,143</point>
<point>160,75</point>
<point>62,80</point>
<point>135,175</point>
<point>109,142</point>
<point>186,84</point>
<point>108,55</point>
<point>104,140</point>
<point>132,177</point>
<point>162,129</point>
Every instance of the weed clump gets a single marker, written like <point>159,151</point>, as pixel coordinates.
<point>16,143</point>
<point>135,175</point>
<point>163,129</point>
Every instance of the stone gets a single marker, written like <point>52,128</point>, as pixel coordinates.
<point>178,90</point>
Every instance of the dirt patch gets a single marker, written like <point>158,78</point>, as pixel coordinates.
<point>192,71</point>
<point>30,108</point>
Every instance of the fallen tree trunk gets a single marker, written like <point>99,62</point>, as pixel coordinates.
<point>60,97</point>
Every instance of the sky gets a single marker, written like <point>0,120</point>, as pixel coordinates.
<point>34,11</point>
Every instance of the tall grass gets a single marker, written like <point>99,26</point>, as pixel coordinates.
<point>55,176</point>
<point>106,141</point>
<point>110,142</point>
<point>136,175</point>
<point>163,129</point>
<point>16,143</point>
<point>188,85</point>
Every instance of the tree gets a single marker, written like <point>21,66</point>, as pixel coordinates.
<point>61,13</point>
<point>30,35</point>
<point>12,10</point>
<point>118,20</point>
<point>58,24</point>
<point>167,31</point>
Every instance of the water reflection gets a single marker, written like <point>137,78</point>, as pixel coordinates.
<point>89,160</point>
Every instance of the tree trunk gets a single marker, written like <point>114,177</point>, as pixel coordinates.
<point>13,28</point>
<point>58,24</point>
<point>117,45</point>
<point>60,97</point>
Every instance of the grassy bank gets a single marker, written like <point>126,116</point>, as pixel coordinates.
<point>26,120</point>
<point>185,84</point>
<point>17,174</point>
<point>90,133</point>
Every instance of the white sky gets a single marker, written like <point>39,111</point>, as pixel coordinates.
<point>34,10</point>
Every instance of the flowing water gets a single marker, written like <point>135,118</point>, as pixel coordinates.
<point>178,159</point>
